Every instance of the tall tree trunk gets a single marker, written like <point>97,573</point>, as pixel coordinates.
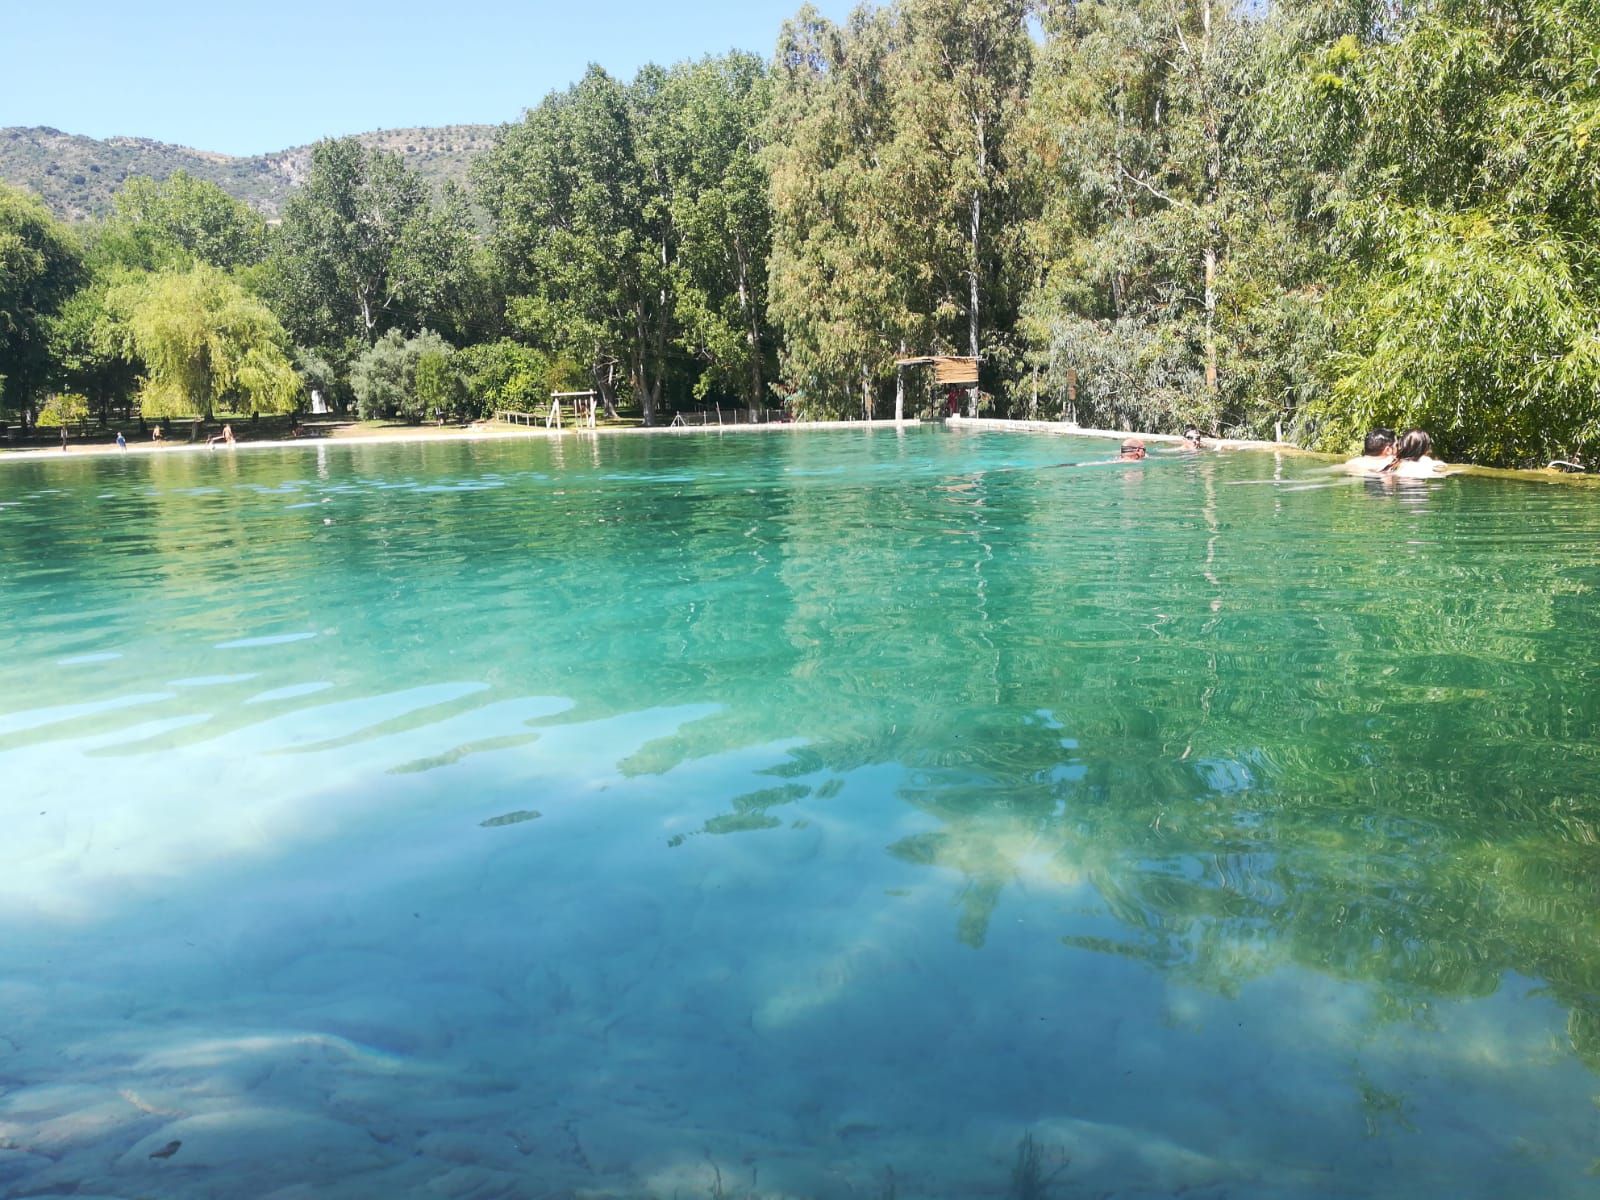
<point>605,383</point>
<point>1211,317</point>
<point>974,252</point>
<point>368,320</point>
<point>1213,199</point>
<point>752,327</point>
<point>641,372</point>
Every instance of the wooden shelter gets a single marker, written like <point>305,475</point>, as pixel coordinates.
<point>949,371</point>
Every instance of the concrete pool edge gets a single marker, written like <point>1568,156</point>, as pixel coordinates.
<point>423,435</point>
<point>489,432</point>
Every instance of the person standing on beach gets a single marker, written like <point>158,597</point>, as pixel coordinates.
<point>122,442</point>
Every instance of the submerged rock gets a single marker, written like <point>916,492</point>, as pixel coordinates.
<point>511,818</point>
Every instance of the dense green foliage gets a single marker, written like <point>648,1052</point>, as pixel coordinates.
<point>1304,220</point>
<point>364,248</point>
<point>39,268</point>
<point>204,342</point>
<point>410,378</point>
<point>1470,278</point>
<point>631,227</point>
<point>182,220</point>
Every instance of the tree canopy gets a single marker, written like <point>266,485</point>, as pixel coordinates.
<point>1301,219</point>
<point>203,341</point>
<point>179,221</point>
<point>40,267</point>
<point>365,248</point>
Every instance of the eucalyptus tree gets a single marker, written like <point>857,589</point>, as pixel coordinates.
<point>1142,120</point>
<point>894,191</point>
<point>853,278</point>
<point>960,98</point>
<point>40,267</point>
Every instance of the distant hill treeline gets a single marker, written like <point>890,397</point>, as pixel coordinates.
<point>78,176</point>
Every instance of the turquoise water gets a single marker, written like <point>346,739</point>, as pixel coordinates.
<point>794,815</point>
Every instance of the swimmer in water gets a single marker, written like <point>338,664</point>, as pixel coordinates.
<point>1413,457</point>
<point>1376,455</point>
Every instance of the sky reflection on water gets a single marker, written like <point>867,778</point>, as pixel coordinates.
<point>619,814</point>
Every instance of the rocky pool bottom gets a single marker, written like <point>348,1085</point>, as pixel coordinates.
<point>891,814</point>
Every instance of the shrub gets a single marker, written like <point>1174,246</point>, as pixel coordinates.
<point>64,408</point>
<point>384,377</point>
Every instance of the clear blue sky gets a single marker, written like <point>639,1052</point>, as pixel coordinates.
<point>245,77</point>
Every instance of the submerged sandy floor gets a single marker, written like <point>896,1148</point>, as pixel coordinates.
<point>492,837</point>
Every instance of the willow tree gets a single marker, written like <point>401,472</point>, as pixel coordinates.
<point>1468,227</point>
<point>205,342</point>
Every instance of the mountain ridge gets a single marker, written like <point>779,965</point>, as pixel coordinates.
<point>77,176</point>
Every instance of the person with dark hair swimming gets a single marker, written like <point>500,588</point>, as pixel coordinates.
<point>1413,457</point>
<point>1377,455</point>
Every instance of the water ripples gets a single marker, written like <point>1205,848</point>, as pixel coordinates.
<point>1035,757</point>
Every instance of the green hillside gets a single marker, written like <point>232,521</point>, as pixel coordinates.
<point>77,176</point>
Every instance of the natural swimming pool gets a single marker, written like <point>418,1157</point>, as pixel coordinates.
<point>794,815</point>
